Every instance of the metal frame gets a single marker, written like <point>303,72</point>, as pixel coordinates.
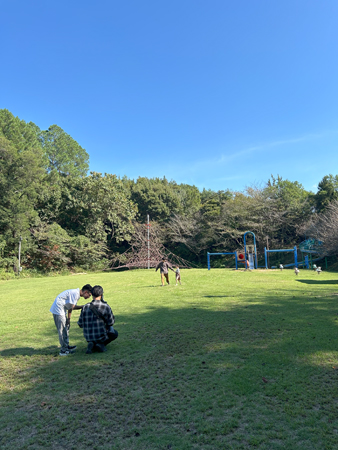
<point>255,248</point>
<point>294,249</point>
<point>226,253</point>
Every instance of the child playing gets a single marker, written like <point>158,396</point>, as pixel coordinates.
<point>178,275</point>
<point>318,270</point>
<point>296,270</point>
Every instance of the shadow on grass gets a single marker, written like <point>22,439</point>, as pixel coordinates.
<point>318,281</point>
<point>29,351</point>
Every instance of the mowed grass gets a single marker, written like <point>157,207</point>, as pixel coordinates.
<point>228,360</point>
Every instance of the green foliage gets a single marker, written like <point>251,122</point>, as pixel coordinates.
<point>327,192</point>
<point>44,185</point>
<point>98,207</point>
<point>23,136</point>
<point>86,254</point>
<point>65,155</point>
<point>21,182</point>
<point>156,197</point>
<point>52,243</point>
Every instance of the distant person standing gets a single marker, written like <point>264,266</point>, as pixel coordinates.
<point>296,270</point>
<point>164,265</point>
<point>63,304</point>
<point>178,275</point>
<point>281,267</point>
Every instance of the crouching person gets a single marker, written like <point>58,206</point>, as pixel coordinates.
<point>97,320</point>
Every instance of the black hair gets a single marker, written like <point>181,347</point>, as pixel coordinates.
<point>97,291</point>
<point>87,287</point>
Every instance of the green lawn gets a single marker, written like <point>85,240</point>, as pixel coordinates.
<point>228,360</point>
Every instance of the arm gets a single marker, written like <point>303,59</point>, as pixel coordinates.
<point>70,308</point>
<point>110,318</point>
<point>80,321</point>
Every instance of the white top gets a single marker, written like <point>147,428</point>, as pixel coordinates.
<point>65,301</point>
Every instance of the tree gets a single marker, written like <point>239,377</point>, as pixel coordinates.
<point>23,136</point>
<point>291,206</point>
<point>98,207</point>
<point>64,154</point>
<point>156,197</point>
<point>324,228</point>
<point>327,192</point>
<point>21,183</point>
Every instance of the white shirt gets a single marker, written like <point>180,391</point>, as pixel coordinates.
<point>65,301</point>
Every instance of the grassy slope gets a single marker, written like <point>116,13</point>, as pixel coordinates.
<point>187,369</point>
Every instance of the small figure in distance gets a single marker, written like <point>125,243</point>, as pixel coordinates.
<point>178,275</point>
<point>314,267</point>
<point>296,270</point>
<point>164,265</point>
<point>247,264</point>
<point>97,320</point>
<point>281,267</point>
<point>66,302</point>
<point>318,270</point>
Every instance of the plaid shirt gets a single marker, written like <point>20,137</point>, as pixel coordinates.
<point>94,328</point>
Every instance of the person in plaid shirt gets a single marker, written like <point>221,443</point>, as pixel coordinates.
<point>97,320</point>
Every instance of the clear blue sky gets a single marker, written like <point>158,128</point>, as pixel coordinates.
<point>215,93</point>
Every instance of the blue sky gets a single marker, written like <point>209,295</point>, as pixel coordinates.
<point>220,94</point>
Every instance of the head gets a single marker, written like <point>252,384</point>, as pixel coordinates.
<point>164,259</point>
<point>86,291</point>
<point>97,292</point>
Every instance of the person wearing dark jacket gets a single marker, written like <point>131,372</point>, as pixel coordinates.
<point>164,265</point>
<point>97,320</point>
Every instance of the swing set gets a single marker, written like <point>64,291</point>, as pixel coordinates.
<point>250,254</point>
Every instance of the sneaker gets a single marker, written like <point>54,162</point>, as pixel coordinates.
<point>66,352</point>
<point>90,347</point>
<point>71,347</point>
<point>101,348</point>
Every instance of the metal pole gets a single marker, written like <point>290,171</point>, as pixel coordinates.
<point>19,256</point>
<point>208,258</point>
<point>295,249</point>
<point>148,243</point>
<point>267,247</point>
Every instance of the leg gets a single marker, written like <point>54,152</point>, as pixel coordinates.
<point>90,347</point>
<point>112,335</point>
<point>166,277</point>
<point>162,279</point>
<point>60,323</point>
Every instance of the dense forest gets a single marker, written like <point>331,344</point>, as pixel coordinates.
<point>68,219</point>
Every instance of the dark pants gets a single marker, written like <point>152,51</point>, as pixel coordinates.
<point>112,335</point>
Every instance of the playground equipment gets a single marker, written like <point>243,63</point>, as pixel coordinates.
<point>226,253</point>
<point>250,254</point>
<point>250,251</point>
<point>312,247</point>
<point>294,249</point>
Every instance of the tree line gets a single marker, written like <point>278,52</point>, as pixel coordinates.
<point>68,218</point>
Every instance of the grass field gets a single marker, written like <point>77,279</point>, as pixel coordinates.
<point>228,360</point>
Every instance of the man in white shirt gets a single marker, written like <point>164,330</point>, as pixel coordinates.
<point>66,302</point>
